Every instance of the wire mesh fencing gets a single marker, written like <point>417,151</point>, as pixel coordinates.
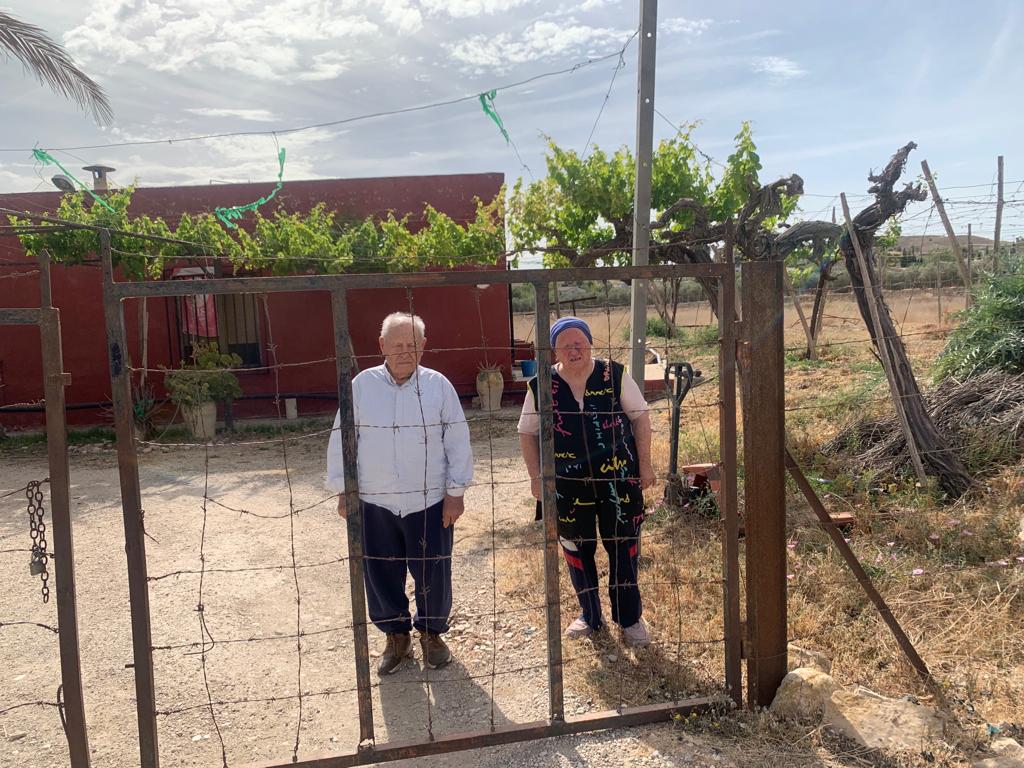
<point>254,585</point>
<point>31,708</point>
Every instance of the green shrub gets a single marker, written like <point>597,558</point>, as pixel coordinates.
<point>658,327</point>
<point>991,332</point>
<point>205,380</point>
<point>704,336</point>
<point>655,327</point>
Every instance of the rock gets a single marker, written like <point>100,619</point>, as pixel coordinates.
<point>804,657</point>
<point>803,694</point>
<point>17,736</point>
<point>880,723</point>
<point>1008,754</point>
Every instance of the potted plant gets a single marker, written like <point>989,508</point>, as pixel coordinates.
<point>490,384</point>
<point>198,386</point>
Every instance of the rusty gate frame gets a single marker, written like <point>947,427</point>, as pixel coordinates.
<point>47,318</point>
<point>368,751</point>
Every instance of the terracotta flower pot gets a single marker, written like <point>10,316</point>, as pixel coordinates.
<point>490,385</point>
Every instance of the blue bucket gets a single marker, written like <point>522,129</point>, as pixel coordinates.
<point>529,368</point>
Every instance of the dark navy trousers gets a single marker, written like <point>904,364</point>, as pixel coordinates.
<point>418,544</point>
<point>584,508</point>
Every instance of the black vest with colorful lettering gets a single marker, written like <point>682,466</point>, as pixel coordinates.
<point>595,443</point>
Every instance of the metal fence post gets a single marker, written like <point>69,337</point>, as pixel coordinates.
<point>764,481</point>
<point>727,500</point>
<point>131,507</point>
<point>556,702</point>
<point>354,521</point>
<point>54,381</point>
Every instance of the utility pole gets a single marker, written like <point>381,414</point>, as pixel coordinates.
<point>642,187</point>
<point>999,215</point>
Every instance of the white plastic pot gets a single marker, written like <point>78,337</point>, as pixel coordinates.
<point>201,420</point>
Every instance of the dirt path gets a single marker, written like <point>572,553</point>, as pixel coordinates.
<point>243,604</point>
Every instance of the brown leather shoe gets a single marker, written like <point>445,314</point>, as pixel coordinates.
<point>397,650</point>
<point>435,650</point>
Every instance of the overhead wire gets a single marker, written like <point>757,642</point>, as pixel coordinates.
<point>340,121</point>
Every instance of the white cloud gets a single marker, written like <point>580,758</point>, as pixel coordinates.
<point>232,158</point>
<point>467,9</point>
<point>401,16</point>
<point>256,115</point>
<point>539,41</point>
<point>592,5</point>
<point>326,66</point>
<point>685,26</point>
<point>778,67</point>
<point>278,41</point>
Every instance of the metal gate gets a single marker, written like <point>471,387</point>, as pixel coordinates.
<point>69,701</point>
<point>558,722</point>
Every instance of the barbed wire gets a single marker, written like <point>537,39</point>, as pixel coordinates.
<point>489,422</point>
<point>688,633</point>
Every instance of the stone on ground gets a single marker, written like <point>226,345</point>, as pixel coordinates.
<point>878,722</point>
<point>805,657</point>
<point>803,694</point>
<point>1008,754</point>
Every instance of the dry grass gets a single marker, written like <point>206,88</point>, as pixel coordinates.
<point>953,575</point>
<point>758,740</point>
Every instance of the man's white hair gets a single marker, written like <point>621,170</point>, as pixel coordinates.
<point>401,318</point>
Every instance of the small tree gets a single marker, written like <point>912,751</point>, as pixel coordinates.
<point>581,215</point>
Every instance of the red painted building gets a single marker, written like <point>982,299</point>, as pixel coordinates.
<point>299,324</point>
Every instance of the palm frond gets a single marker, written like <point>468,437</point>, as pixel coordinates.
<point>52,65</point>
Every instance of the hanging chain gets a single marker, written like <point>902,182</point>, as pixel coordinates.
<point>37,530</point>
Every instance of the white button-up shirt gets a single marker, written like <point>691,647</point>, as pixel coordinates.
<point>413,441</point>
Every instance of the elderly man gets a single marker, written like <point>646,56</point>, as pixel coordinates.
<point>414,464</point>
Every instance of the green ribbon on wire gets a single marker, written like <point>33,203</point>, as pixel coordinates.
<point>226,215</point>
<point>487,102</point>
<point>46,158</point>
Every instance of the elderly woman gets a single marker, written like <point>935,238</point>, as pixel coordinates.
<point>602,465</point>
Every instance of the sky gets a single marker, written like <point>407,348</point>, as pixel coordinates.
<point>831,90</point>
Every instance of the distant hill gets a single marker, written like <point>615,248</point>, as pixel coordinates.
<point>933,243</point>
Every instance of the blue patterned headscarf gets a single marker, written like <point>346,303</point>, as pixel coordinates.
<point>565,323</point>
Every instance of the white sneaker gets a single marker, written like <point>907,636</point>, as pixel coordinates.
<point>579,630</point>
<point>636,636</point>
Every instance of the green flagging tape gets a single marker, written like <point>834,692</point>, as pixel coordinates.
<point>226,215</point>
<point>487,102</point>
<point>46,158</point>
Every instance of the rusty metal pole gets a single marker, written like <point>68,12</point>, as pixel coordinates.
<point>858,570</point>
<point>354,522</point>
<point>54,382</point>
<point>556,704</point>
<point>131,507</point>
<point>727,502</point>
<point>764,481</point>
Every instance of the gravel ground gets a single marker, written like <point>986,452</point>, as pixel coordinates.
<point>239,605</point>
